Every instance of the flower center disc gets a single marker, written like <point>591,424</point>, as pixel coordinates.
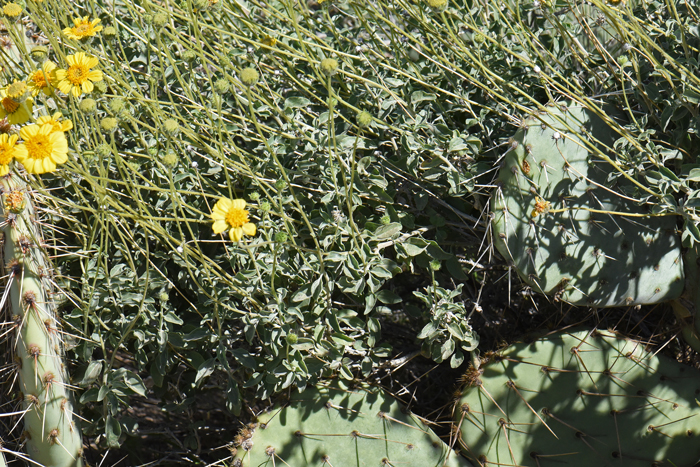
<point>77,74</point>
<point>16,89</point>
<point>39,79</point>
<point>237,217</point>
<point>39,147</point>
<point>9,105</point>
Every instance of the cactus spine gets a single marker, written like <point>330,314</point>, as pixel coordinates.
<point>52,437</point>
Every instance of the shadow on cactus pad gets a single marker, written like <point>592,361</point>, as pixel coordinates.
<point>583,398</point>
<point>574,225</point>
<point>335,427</point>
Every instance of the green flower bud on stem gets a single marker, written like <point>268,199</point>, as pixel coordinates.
<point>103,150</point>
<point>437,4</point>
<point>221,86</point>
<point>160,20</point>
<point>364,119</point>
<point>170,159</point>
<point>39,53</point>
<point>171,127</point>
<point>189,55</point>
<point>329,66</point>
<point>87,106</point>
<point>292,338</point>
<point>110,32</point>
<point>109,124</point>
<point>117,106</point>
<point>248,76</point>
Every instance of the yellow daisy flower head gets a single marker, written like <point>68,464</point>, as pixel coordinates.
<point>268,40</point>
<point>83,28</point>
<point>43,149</point>
<point>7,152</point>
<point>16,113</point>
<point>42,80</point>
<point>17,91</point>
<point>56,121</point>
<point>12,10</point>
<point>231,214</point>
<point>79,76</point>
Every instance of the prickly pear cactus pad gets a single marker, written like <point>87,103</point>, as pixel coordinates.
<point>339,428</point>
<point>570,222</point>
<point>581,398</point>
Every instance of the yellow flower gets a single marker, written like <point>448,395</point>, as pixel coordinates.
<point>541,207</point>
<point>16,113</point>
<point>7,152</point>
<point>17,91</point>
<point>42,149</point>
<point>43,79</point>
<point>268,40</point>
<point>78,78</point>
<point>231,214</point>
<point>12,10</point>
<point>83,28</point>
<point>56,122</point>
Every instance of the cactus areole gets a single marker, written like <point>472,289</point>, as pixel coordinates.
<point>52,437</point>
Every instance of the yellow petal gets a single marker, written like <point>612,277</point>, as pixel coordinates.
<point>224,204</point>
<point>29,131</point>
<point>4,170</point>
<point>64,86</point>
<point>48,165</point>
<point>249,229</point>
<point>219,226</point>
<point>236,234</point>
<point>238,204</point>
<point>28,164</point>
<point>95,75</point>
<point>21,152</point>
<point>87,86</point>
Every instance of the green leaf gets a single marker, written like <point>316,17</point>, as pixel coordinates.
<point>414,246</point>
<point>419,96</point>
<point>134,382</point>
<point>92,372</point>
<point>113,430</point>
<point>388,297</point>
<point>233,398</point>
<point>204,371</point>
<point>387,231</point>
<point>342,339</point>
<point>244,358</point>
<point>296,102</point>
<point>457,359</point>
